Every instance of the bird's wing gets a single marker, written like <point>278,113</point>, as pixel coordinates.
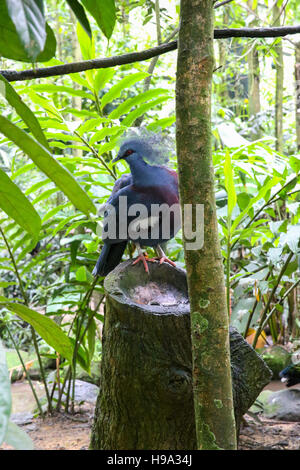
<point>135,195</point>
<point>120,183</point>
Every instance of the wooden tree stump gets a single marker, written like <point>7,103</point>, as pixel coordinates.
<point>146,399</point>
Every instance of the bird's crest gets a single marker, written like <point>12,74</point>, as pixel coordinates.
<point>155,148</point>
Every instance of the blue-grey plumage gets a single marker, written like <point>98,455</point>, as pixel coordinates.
<point>148,185</point>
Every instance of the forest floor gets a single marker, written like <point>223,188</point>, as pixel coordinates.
<point>65,432</point>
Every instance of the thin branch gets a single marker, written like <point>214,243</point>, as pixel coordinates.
<point>220,4</point>
<point>75,67</point>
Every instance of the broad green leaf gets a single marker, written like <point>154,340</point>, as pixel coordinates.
<point>90,125</point>
<point>45,327</point>
<point>16,205</point>
<point>261,194</point>
<point>229,184</point>
<point>28,18</point>
<point>161,124</point>
<point>5,394</point>
<point>79,12</point>
<point>106,131</point>
<point>126,106</point>
<point>140,110</point>
<point>48,165</point>
<point>104,12</point>
<point>49,88</point>
<point>17,438</point>
<point>103,76</point>
<point>7,283</point>
<point>116,90</point>
<point>54,211</point>
<point>23,110</point>
<point>37,186</point>
<point>50,46</point>
<point>44,103</point>
<point>91,337</point>
<point>81,274</point>
<point>45,195</point>
<point>11,45</point>
<point>86,43</point>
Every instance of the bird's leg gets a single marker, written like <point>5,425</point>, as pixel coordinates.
<point>142,258</point>
<point>162,257</point>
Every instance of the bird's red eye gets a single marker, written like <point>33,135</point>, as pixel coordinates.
<point>128,152</point>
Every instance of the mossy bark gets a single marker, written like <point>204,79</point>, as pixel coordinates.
<point>209,320</point>
<point>297,79</point>
<point>146,393</point>
<point>279,84</point>
<point>254,80</point>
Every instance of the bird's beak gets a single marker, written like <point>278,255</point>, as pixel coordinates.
<point>118,157</point>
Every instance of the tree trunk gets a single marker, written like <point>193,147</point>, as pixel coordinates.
<point>254,81</point>
<point>223,86</point>
<point>146,397</point>
<point>76,100</point>
<point>297,79</point>
<point>209,320</point>
<point>279,85</point>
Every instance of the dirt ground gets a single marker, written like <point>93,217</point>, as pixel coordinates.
<point>73,433</point>
<point>65,432</point>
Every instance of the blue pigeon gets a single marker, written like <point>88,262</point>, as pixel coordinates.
<point>151,186</point>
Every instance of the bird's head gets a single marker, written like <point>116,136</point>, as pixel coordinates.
<point>132,150</point>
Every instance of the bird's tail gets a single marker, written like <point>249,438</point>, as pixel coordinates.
<point>109,258</point>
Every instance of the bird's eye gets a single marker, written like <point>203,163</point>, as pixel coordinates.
<point>128,152</point>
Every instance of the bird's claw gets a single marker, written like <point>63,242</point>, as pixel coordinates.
<point>164,259</point>
<point>144,260</point>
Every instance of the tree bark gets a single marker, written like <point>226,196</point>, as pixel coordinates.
<point>146,395</point>
<point>254,82</point>
<point>279,85</point>
<point>215,426</point>
<point>297,79</point>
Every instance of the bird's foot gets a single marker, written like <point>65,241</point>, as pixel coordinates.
<point>162,259</point>
<point>144,259</point>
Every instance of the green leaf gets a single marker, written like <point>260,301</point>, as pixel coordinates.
<point>29,21</point>
<point>86,43</point>
<point>161,124</point>
<point>50,46</point>
<point>102,77</point>
<point>124,107</point>
<point>49,88</point>
<point>48,165</point>
<point>4,284</point>
<point>229,184</point>
<point>140,110</point>
<point>16,205</point>
<point>91,337</point>
<point>261,194</point>
<point>11,45</point>
<point>106,131</point>
<point>104,12</point>
<point>5,394</point>
<point>23,110</point>
<point>45,327</point>
<point>17,437</point>
<point>81,274</point>
<point>79,12</point>
<point>116,90</point>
